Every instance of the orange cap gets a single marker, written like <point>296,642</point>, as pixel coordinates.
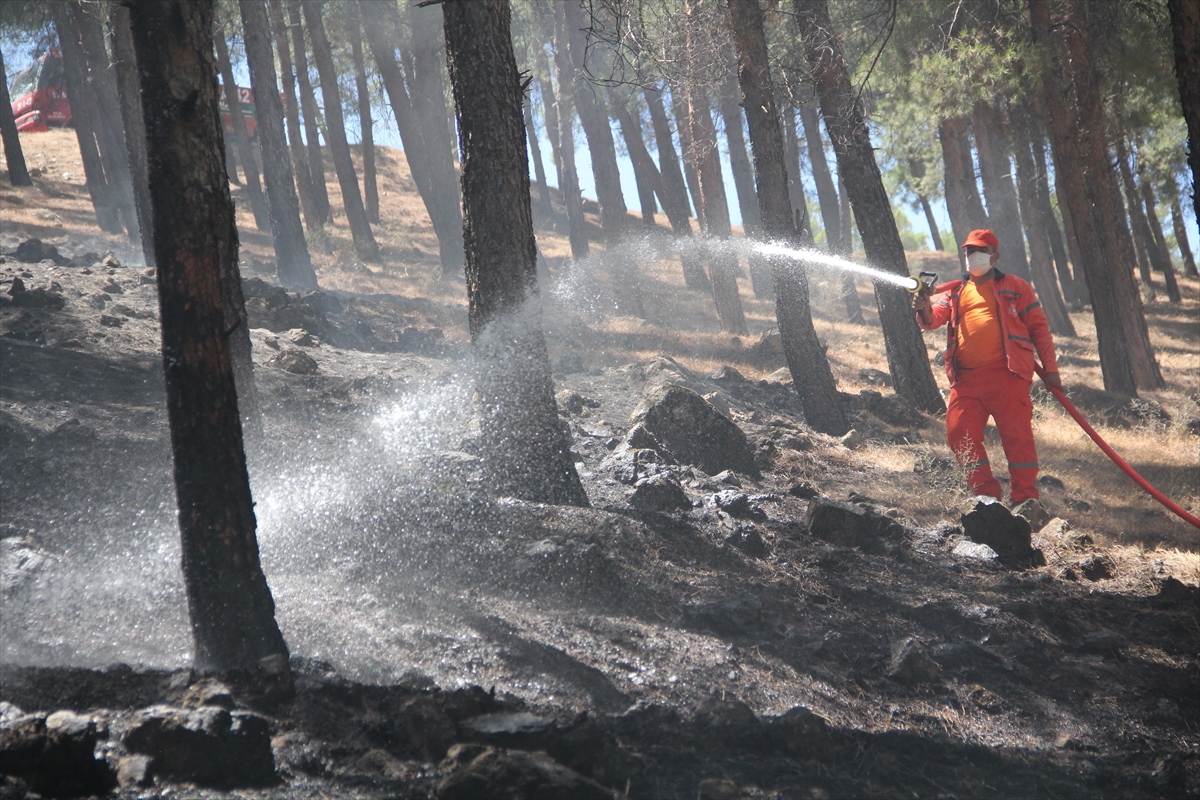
<point>981,238</point>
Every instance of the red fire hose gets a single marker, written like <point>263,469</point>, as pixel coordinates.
<point>1116,459</point>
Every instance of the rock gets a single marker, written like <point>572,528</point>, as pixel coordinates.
<point>31,251</point>
<point>693,432</point>
<point>735,504</point>
<point>295,362</point>
<point>727,374</point>
<point>1174,591</point>
<point>911,662</point>
<point>112,287</point>
<point>1097,567</point>
<point>110,261</point>
<point>574,402</point>
<point>133,772</point>
<point>875,376</point>
<point>629,464</point>
<point>17,287</point>
<point>798,730</point>
<point>109,321</point>
<point>300,338</point>
<point>740,615</point>
<point>659,493</point>
<point>36,298</point>
<point>380,763</point>
<point>804,490</point>
<point>55,755</point>
<point>514,775</point>
<point>781,376</point>
<point>849,525</point>
<point>730,722</point>
<point>985,699</point>
<point>428,726</point>
<point>21,559</point>
<point>324,302</point>
<point>720,403</point>
<point>853,440</point>
<point>1075,504</point>
<point>207,746</point>
<point>1033,512</point>
<point>980,552</point>
<point>209,692</point>
<point>985,520</point>
<point>727,478</point>
<point>718,789</point>
<point>745,537</point>
<point>505,727</point>
<point>890,409</point>
<point>1050,482</point>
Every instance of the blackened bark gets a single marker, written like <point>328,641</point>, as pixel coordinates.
<point>365,246</point>
<point>429,102</point>
<point>365,123</point>
<point>549,109</point>
<point>1163,260</point>
<point>292,259</point>
<point>241,137</point>
<point>14,158</point>
<point>291,113</point>
<point>1181,238</point>
<point>908,361</point>
<point>528,450</point>
<point>827,199</point>
<point>996,173</point>
<point>1040,261</point>
<point>739,162</point>
<point>83,119</point>
<point>308,105</point>
<point>129,92</point>
<point>230,605</point>
<point>535,152</point>
<point>811,374</point>
<point>568,177</point>
<point>791,145</point>
<point>687,151</point>
<point>1142,238</point>
<point>675,196</point>
<point>645,174</point>
<point>1083,172</point>
<point>1057,242</point>
<point>1185,33</point>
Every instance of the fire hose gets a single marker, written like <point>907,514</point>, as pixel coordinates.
<point>1061,397</point>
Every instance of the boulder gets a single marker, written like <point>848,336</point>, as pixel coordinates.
<point>513,775</point>
<point>208,746</point>
<point>798,730</point>
<point>985,520</point>
<point>295,362</point>
<point>730,722</point>
<point>740,615</point>
<point>694,432</point>
<point>850,525</point>
<point>31,251</point>
<point>727,374</point>
<point>660,492</point>
<point>911,663</point>
<point>55,754</point>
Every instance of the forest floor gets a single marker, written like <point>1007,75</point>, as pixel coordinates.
<point>396,577</point>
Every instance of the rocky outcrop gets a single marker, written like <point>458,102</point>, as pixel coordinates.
<point>684,428</point>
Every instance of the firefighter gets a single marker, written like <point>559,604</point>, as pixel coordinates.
<point>995,325</point>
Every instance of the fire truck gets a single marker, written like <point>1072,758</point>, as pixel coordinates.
<point>39,98</point>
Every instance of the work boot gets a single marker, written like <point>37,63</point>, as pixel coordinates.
<point>1033,512</point>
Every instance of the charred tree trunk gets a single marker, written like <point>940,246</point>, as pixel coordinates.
<point>535,151</point>
<point>687,151</point>
<point>308,106</point>
<point>241,137</point>
<point>549,110</point>
<point>365,123</point>
<point>231,609</point>
<point>429,102</point>
<point>14,158</point>
<point>528,450</point>
<point>811,374</point>
<point>568,178</point>
<point>908,361</point>
<point>291,113</point>
<point>129,92</point>
<point>292,260</point>
<point>1076,119</point>
<point>827,198</point>
<point>1057,244</point>
<point>1181,238</point>
<point>729,96</point>
<point>675,197</point>
<point>1040,261</point>
<point>1142,238</point>
<point>1185,33</point>
<point>365,246</point>
<point>1163,260</point>
<point>649,181</point>
<point>83,119</point>
<point>995,170</point>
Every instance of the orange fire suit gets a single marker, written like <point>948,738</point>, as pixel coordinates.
<point>999,390</point>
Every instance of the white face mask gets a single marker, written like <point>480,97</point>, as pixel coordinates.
<point>979,263</point>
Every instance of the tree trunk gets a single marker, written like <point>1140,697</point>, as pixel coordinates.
<point>291,113</point>
<point>308,106</point>
<point>675,197</point>
<point>1142,239</point>
<point>1073,247</point>
<point>1163,260</point>
<point>649,181</point>
<point>1181,238</point>
<point>535,151</point>
<point>908,361</point>
<point>110,133</point>
<point>293,262</point>
<point>569,178</point>
<point>956,196</point>
<point>365,246</point>
<point>729,95</point>
<point>1061,263</point>
<point>830,205</point>
<point>528,450</point>
<point>980,218</point>
<point>687,151</point>
<point>1185,33</point>
<point>365,123</point>
<point>241,137</point>
<point>83,119</point>
<point>995,170</point>
<point>14,158</point>
<point>549,109</point>
<point>931,221</point>
<point>723,268</point>
<point>1077,122</point>
<point>231,608</point>
<point>1040,261</point>
<point>428,87</point>
<point>811,374</point>
<point>129,93</point>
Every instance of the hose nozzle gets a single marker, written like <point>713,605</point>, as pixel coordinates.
<point>923,284</point>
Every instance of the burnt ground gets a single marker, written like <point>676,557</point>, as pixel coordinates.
<point>396,577</point>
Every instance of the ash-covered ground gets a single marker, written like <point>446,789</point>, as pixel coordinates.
<point>657,647</point>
